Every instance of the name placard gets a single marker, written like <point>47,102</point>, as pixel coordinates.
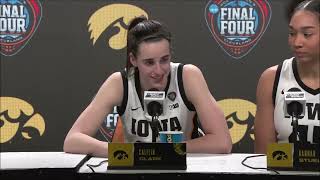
<point>296,157</point>
<point>147,156</point>
<point>306,157</point>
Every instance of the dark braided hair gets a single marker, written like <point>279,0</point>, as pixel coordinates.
<point>307,5</point>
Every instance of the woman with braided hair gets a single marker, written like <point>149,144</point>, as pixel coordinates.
<point>301,72</point>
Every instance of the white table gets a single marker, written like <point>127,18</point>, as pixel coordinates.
<point>196,163</point>
<point>206,166</point>
<point>37,160</point>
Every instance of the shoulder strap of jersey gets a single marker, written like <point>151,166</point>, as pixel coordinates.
<point>122,107</point>
<point>276,82</point>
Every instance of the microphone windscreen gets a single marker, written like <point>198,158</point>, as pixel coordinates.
<point>153,102</point>
<point>294,102</point>
<point>295,108</point>
<point>294,89</point>
<point>154,108</point>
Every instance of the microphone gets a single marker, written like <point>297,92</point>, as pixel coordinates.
<point>294,106</point>
<point>153,103</point>
<point>294,103</point>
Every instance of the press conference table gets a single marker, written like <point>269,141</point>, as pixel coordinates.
<point>43,165</point>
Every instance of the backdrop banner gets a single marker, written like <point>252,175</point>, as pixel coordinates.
<point>56,54</point>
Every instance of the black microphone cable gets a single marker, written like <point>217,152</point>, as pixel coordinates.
<point>81,163</point>
<point>92,166</point>
<point>251,167</point>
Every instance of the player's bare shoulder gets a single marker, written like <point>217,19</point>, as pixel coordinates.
<point>112,88</point>
<point>268,75</point>
<point>191,73</point>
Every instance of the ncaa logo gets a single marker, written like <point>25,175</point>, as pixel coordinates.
<point>109,124</point>
<point>19,20</point>
<point>237,25</point>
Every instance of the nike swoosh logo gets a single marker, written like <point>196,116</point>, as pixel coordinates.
<point>133,109</point>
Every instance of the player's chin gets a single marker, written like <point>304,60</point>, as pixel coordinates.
<point>159,85</point>
<point>304,59</point>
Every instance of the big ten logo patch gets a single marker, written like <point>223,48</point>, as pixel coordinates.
<point>237,25</point>
<point>240,116</point>
<point>109,124</point>
<point>18,120</point>
<point>19,20</point>
<point>112,16</point>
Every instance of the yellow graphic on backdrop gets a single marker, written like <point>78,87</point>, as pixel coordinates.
<point>10,114</point>
<point>237,112</point>
<point>110,16</point>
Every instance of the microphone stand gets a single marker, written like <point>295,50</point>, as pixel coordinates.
<point>154,127</point>
<point>295,125</point>
<point>155,110</point>
<point>295,110</point>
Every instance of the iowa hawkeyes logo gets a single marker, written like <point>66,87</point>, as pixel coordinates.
<point>120,155</point>
<point>240,115</point>
<point>113,16</point>
<point>279,155</point>
<point>18,116</point>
